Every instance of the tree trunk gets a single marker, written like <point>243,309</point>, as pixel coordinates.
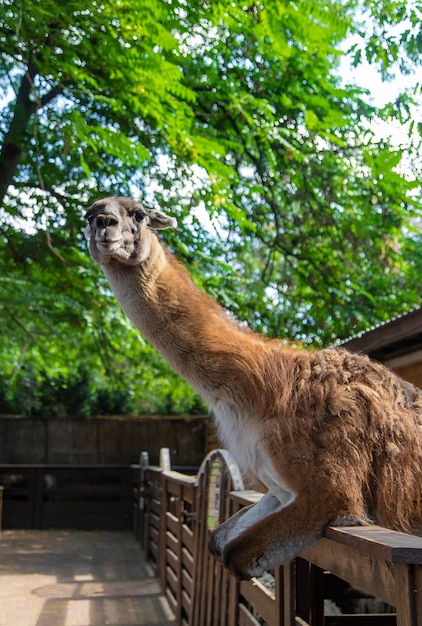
<point>11,149</point>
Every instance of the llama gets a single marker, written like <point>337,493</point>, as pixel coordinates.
<point>329,436</point>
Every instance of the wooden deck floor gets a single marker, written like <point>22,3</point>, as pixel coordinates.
<point>77,578</point>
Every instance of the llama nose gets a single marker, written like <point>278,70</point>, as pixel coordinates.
<point>106,220</point>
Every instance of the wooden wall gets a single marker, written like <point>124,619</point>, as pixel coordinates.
<point>410,371</point>
<point>397,344</point>
<point>102,440</point>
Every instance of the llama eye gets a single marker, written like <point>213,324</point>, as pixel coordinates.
<point>139,216</point>
<point>89,217</point>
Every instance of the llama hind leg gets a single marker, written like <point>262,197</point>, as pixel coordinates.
<point>277,538</point>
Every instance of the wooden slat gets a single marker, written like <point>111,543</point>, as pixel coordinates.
<point>233,603</point>
<point>154,534</point>
<point>186,602</point>
<point>153,549</point>
<point>246,618</point>
<point>172,523</point>
<point>187,582</point>
<point>171,580</point>
<point>187,560</point>
<point>171,600</point>
<point>217,594</point>
<point>188,538</point>
<point>258,596</point>
<point>155,507</point>
<point>172,561</point>
<point>210,589</point>
<point>171,542</point>
<point>224,599</point>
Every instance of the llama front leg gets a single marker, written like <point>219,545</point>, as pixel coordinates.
<point>276,538</point>
<point>240,521</point>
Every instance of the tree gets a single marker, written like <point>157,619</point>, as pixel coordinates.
<point>230,115</point>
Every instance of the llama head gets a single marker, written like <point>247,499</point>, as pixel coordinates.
<point>119,228</point>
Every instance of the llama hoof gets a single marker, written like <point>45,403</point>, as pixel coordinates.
<point>241,564</point>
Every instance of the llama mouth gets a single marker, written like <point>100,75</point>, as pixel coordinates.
<point>109,246</point>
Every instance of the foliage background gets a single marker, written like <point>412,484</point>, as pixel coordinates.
<point>232,116</point>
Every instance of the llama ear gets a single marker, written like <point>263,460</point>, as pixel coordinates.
<point>159,220</point>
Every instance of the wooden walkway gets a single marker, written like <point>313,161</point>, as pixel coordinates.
<point>77,578</point>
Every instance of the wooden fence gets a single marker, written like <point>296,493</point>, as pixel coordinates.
<point>176,515</point>
<point>67,496</point>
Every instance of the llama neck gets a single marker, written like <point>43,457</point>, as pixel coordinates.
<point>189,329</point>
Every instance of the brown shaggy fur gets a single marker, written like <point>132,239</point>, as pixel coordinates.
<point>330,434</point>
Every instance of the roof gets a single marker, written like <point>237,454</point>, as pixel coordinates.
<point>396,338</point>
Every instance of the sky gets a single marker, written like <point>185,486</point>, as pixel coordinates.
<point>380,93</point>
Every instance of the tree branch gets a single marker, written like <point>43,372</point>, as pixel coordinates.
<point>48,97</point>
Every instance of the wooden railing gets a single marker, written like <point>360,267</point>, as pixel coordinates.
<point>176,516</point>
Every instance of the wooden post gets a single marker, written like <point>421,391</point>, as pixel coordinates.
<point>405,595</point>
<point>161,556</point>
<point>289,594</point>
<point>417,595</point>
<point>141,503</point>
